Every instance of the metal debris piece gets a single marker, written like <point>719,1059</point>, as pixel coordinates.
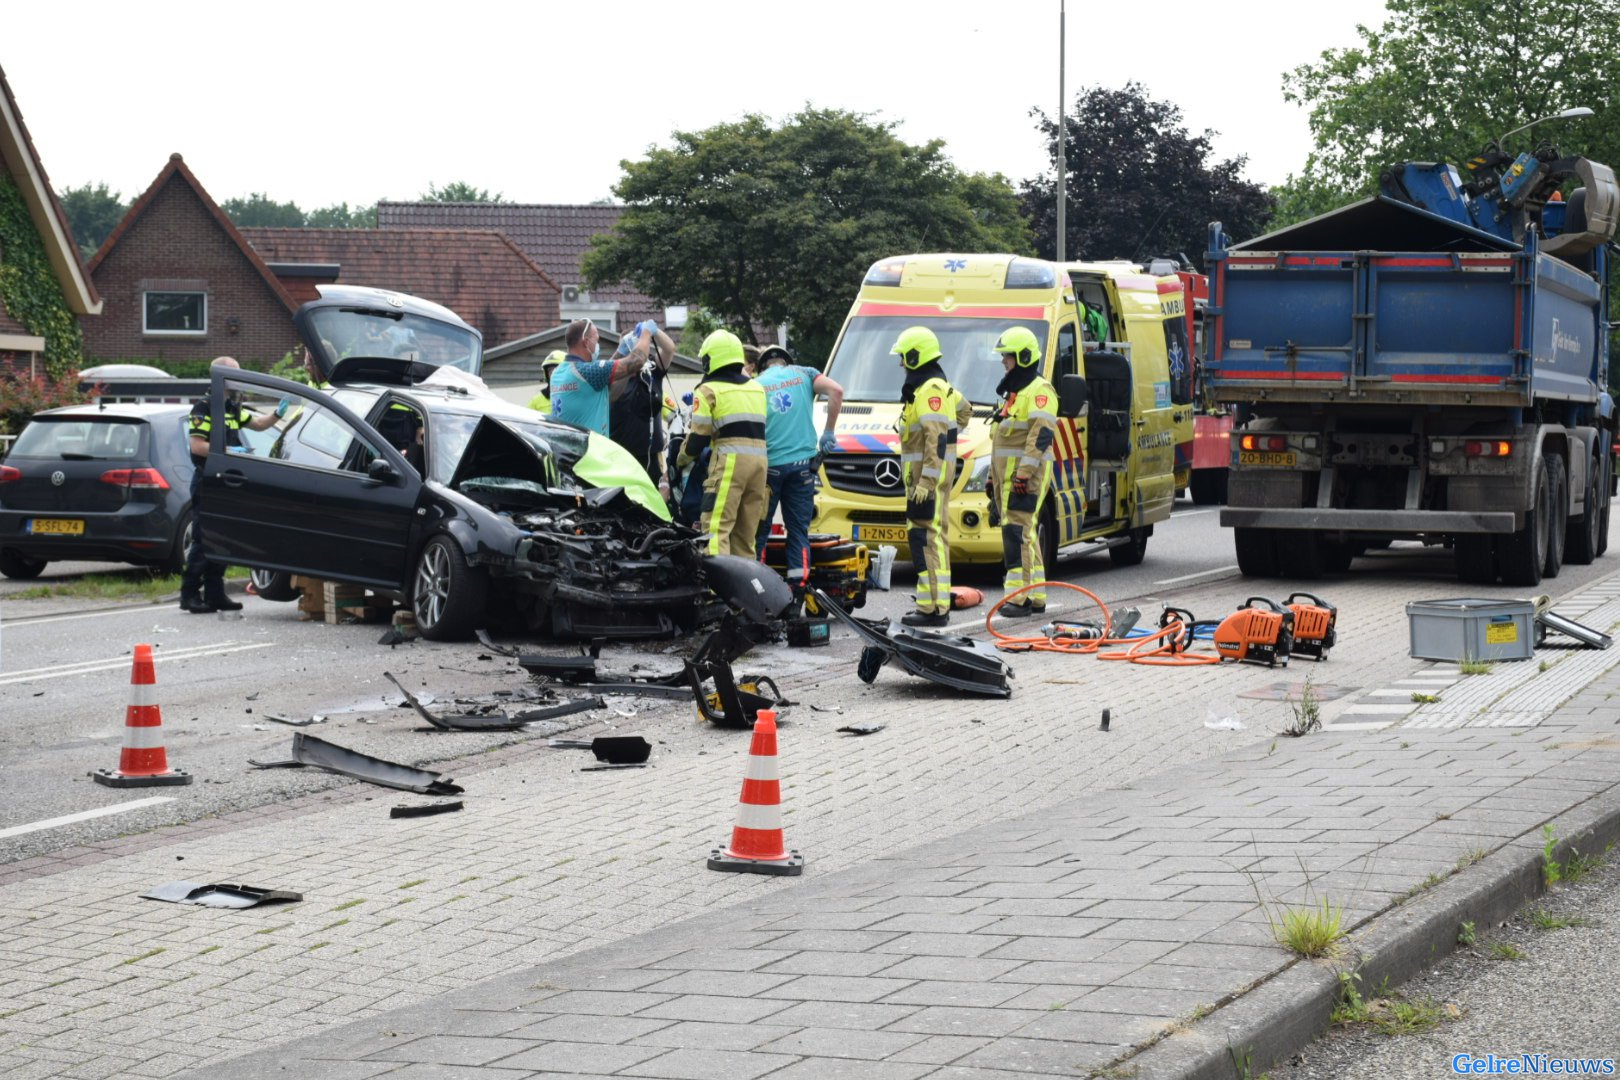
<point>333,758</point>
<point>426,810</point>
<point>290,722</point>
<point>394,636</point>
<point>616,765</point>
<point>493,717</point>
<point>1592,639</point>
<point>503,650</point>
<point>862,729</point>
<point>960,663</point>
<point>287,763</point>
<point>220,896</point>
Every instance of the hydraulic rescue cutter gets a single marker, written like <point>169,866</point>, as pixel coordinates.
<point>1259,632</point>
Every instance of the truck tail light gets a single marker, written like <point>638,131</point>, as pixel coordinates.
<point>9,475</point>
<point>1264,442</point>
<point>140,479</point>
<point>1488,448</point>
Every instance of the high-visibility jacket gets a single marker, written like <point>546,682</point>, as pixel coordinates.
<point>732,414</point>
<point>929,424</point>
<point>540,403</point>
<point>1023,432</point>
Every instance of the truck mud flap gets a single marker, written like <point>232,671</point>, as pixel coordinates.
<point>960,663</point>
<point>308,750</point>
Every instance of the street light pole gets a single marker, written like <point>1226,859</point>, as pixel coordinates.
<point>1062,139</point>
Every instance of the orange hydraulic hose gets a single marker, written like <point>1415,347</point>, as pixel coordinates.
<point>1161,648</point>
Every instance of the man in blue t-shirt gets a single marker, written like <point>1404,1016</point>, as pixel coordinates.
<point>582,384</point>
<point>794,453</point>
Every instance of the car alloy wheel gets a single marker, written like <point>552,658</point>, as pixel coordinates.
<point>432,584</point>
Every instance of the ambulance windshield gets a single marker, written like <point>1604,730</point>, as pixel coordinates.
<point>868,371</point>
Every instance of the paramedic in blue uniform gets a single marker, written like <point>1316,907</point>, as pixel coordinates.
<point>793,451</point>
<point>582,385</point>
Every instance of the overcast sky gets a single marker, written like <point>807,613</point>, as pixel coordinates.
<point>332,102</point>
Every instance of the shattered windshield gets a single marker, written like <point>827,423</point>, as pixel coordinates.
<point>347,331</point>
<point>453,430</point>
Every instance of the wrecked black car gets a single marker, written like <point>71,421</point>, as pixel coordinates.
<point>412,479</point>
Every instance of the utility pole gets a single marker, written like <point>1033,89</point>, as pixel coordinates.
<point>1062,140</point>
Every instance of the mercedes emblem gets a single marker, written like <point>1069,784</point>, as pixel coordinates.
<point>58,478</point>
<point>887,473</point>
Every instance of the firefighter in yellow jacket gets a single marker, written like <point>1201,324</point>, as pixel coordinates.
<point>728,419</point>
<point>1023,430</point>
<point>931,413</point>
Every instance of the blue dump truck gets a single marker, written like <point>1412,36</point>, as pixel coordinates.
<point>1430,363</point>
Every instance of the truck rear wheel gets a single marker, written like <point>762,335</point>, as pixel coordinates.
<point>1558,515</point>
<point>1520,557</point>
<point>1582,541</point>
<point>1476,560</point>
<point>1208,486</point>
<point>1256,552</point>
<point>1300,556</point>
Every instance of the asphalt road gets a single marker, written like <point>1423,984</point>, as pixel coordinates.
<point>64,680</point>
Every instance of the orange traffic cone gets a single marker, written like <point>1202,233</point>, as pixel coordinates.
<point>757,846</point>
<point>143,762</point>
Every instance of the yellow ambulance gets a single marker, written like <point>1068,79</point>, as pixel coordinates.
<point>1114,476</point>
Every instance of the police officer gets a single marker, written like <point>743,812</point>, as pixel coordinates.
<point>541,402</point>
<point>202,583</point>
<point>728,410</point>
<point>794,453</point>
<point>1023,430</point>
<point>931,414</point>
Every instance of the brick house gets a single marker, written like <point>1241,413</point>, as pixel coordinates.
<point>26,191</point>
<point>478,274</point>
<point>180,283</point>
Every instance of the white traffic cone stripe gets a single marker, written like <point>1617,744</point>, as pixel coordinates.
<point>142,694</point>
<point>761,767</point>
<point>143,738</point>
<point>767,818</point>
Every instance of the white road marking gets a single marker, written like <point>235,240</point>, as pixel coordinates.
<point>38,620</point>
<point>85,815</point>
<point>1201,573</point>
<point>91,667</point>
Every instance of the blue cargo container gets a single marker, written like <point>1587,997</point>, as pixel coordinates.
<point>1399,375</point>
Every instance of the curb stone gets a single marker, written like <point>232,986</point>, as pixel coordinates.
<point>1284,1014</point>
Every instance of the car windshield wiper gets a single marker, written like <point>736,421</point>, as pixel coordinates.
<point>68,455</point>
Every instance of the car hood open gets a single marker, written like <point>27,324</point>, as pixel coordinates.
<point>519,470</point>
<point>409,335</point>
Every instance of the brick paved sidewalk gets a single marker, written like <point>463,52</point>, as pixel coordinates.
<point>1054,944</point>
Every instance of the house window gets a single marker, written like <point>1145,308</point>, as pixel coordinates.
<point>175,313</point>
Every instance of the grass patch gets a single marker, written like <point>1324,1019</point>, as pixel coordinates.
<point>1504,950</point>
<point>144,956</point>
<point>1421,887</point>
<point>1116,1072</point>
<point>1470,857</point>
<point>1308,931</point>
<point>335,925</point>
<point>414,884</point>
<point>318,945</point>
<point>1466,934</point>
<point>132,584</point>
<point>1577,866</point>
<point>1419,698</point>
<point>205,952</point>
<point>1474,667</point>
<point>349,904</point>
<point>1307,712</point>
<point>1389,1014</point>
<point>1542,919</point>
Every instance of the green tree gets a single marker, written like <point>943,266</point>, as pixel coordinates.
<point>341,216</point>
<point>764,225</point>
<point>260,210</point>
<point>1140,184</point>
<point>93,212</point>
<point>459,191</point>
<point>1440,79</point>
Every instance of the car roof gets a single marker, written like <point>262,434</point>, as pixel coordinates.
<point>444,399</point>
<point>132,410</point>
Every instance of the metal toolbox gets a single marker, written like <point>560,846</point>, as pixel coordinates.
<point>1471,629</point>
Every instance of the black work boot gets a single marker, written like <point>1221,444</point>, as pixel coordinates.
<point>1021,609</point>
<point>926,618</point>
<point>225,603</point>
<point>192,604</point>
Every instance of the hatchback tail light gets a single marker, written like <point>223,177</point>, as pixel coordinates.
<point>139,479</point>
<point>9,475</point>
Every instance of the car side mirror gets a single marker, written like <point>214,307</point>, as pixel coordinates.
<point>380,472</point>
<point>1072,396</point>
